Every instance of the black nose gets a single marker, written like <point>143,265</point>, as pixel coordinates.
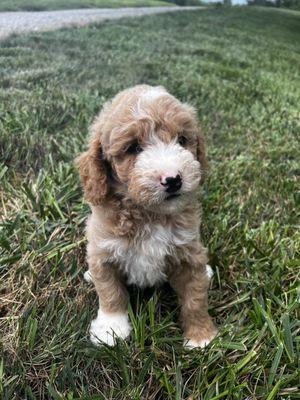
<point>173,184</point>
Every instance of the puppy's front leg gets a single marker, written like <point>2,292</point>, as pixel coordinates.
<point>191,283</point>
<point>112,319</point>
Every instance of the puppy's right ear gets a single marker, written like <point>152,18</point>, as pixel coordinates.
<point>93,173</point>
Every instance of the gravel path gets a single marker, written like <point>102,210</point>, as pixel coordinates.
<point>18,22</point>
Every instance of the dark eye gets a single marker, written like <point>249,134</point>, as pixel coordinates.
<point>134,148</point>
<point>182,140</point>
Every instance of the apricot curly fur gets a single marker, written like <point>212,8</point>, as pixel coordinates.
<point>133,233</point>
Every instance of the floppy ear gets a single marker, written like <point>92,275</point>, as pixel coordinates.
<point>93,173</point>
<point>200,150</point>
<point>201,157</point>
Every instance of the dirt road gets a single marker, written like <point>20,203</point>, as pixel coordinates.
<point>19,22</point>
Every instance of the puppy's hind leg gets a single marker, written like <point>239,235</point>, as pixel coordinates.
<point>87,276</point>
<point>209,271</point>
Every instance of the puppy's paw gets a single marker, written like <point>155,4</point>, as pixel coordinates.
<point>106,328</point>
<point>88,276</point>
<point>199,342</point>
<point>209,271</point>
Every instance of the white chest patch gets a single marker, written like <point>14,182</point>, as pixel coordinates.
<point>144,260</point>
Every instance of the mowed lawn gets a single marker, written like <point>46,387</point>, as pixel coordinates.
<point>43,5</point>
<point>241,69</point>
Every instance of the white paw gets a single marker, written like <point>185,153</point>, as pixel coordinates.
<point>192,344</point>
<point>106,328</point>
<point>209,271</point>
<point>88,276</point>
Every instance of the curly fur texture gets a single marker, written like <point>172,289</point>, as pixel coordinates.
<point>139,231</point>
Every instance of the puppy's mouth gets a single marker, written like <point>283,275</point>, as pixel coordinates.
<point>172,196</point>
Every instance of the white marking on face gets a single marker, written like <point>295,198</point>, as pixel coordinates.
<point>155,161</point>
<point>139,111</point>
<point>154,93</point>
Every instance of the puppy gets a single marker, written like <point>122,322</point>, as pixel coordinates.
<point>140,174</point>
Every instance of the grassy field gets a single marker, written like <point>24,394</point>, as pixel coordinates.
<point>241,69</point>
<point>42,5</point>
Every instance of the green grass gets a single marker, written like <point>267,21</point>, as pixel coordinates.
<point>241,69</point>
<point>42,5</point>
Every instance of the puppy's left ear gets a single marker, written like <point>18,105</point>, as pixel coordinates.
<point>200,146</point>
<point>201,157</point>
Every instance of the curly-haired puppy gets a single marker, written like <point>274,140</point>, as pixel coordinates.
<point>145,161</point>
